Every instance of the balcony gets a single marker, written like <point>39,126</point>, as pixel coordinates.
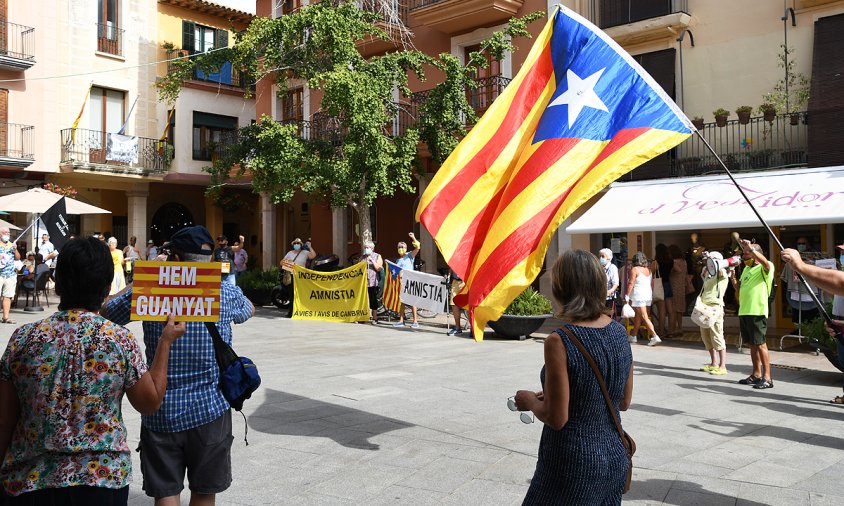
<point>94,151</point>
<point>396,27</point>
<point>480,98</point>
<point>110,39</point>
<point>213,150</point>
<point>16,46</point>
<point>227,77</point>
<point>460,16</point>
<point>16,145</point>
<point>642,21</point>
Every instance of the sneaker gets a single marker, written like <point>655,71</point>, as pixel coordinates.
<point>632,339</point>
<point>763,384</point>
<point>455,332</point>
<point>414,325</point>
<point>398,324</point>
<point>708,368</point>
<point>655,340</point>
<point>750,380</point>
<point>717,371</point>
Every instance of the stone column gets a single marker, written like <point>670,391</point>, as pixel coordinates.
<point>338,234</point>
<point>137,213</point>
<point>268,226</point>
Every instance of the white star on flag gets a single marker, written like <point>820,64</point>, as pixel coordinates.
<point>580,94</point>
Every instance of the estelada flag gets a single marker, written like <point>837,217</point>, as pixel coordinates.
<point>392,287</point>
<point>579,114</point>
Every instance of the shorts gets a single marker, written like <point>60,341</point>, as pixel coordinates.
<point>753,328</point>
<point>667,292</point>
<point>8,286</point>
<point>456,286</point>
<point>204,451</point>
<point>373,297</point>
<point>713,338</point>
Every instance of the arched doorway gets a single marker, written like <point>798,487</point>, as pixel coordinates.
<point>169,218</point>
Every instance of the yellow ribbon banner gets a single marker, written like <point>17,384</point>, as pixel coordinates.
<point>188,290</point>
<point>339,296</point>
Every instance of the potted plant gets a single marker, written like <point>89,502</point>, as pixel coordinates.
<point>768,111</point>
<point>697,121</point>
<point>721,116</point>
<point>743,113</point>
<point>257,285</point>
<point>791,93</point>
<point>820,339</point>
<point>523,316</point>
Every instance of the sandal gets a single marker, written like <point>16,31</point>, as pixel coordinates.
<point>837,400</point>
<point>8,320</point>
<point>750,380</point>
<point>764,384</point>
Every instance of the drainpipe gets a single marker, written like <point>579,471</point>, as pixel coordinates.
<point>784,19</point>
<point>680,44</point>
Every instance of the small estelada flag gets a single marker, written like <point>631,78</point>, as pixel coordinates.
<point>188,290</point>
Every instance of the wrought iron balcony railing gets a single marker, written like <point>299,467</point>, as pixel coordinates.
<point>400,7</point>
<point>98,151</point>
<point>226,76</point>
<point>760,144</point>
<point>110,39</point>
<point>608,13</point>
<point>16,144</point>
<point>16,46</point>
<point>213,150</point>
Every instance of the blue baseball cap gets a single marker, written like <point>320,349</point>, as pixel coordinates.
<point>191,240</point>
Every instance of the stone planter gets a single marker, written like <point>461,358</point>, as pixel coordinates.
<point>518,327</point>
<point>258,296</point>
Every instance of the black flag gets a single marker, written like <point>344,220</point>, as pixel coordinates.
<point>55,219</point>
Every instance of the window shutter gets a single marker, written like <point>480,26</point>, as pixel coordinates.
<point>221,39</point>
<point>826,101</point>
<point>188,28</point>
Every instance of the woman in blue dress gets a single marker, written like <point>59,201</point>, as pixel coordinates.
<point>581,457</point>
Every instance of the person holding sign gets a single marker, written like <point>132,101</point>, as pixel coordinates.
<point>63,378</point>
<point>405,261</point>
<point>374,265</point>
<point>192,432</point>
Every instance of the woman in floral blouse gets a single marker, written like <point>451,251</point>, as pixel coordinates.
<point>62,381</point>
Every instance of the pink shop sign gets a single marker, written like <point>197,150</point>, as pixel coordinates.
<point>722,196</point>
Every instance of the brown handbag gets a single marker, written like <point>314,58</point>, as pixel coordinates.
<point>626,440</point>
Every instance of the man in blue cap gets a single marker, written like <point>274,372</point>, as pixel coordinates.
<point>192,431</point>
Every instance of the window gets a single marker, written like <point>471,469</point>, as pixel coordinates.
<point>106,112</point>
<point>488,82</point>
<point>108,27</point>
<point>288,6</point>
<point>211,132</point>
<point>292,106</point>
<point>199,39</point>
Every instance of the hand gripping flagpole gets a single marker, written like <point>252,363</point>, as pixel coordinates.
<point>776,239</point>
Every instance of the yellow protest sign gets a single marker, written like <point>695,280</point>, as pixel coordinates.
<point>188,290</point>
<point>339,296</point>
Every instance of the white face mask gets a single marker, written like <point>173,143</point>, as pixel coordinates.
<point>367,251</point>
<point>5,238</point>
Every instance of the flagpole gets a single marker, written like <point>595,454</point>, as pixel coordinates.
<point>776,239</point>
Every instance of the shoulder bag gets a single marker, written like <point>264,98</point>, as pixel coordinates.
<point>703,315</point>
<point>626,440</point>
<point>659,290</point>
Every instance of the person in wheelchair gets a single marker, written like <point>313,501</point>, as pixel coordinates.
<point>30,274</point>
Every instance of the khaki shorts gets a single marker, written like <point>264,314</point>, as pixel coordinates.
<point>456,286</point>
<point>7,288</point>
<point>713,338</point>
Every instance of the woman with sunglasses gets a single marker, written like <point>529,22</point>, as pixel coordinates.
<point>582,459</point>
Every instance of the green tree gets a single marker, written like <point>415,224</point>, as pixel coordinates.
<point>347,155</point>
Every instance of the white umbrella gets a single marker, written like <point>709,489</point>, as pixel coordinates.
<point>38,200</point>
<point>6,224</point>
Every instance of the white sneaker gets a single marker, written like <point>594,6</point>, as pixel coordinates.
<point>632,339</point>
<point>655,340</point>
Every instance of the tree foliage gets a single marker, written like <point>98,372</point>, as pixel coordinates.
<point>347,154</point>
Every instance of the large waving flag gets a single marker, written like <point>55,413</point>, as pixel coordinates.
<point>579,114</point>
<point>392,287</point>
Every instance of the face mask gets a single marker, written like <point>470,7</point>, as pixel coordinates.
<point>367,251</point>
<point>402,251</point>
<point>604,261</point>
<point>801,248</point>
<point>749,262</point>
<point>5,238</point>
<point>841,259</point>
<point>297,246</point>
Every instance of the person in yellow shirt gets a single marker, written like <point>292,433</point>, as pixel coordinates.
<point>753,290</point>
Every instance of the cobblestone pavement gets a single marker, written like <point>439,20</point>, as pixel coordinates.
<point>362,414</point>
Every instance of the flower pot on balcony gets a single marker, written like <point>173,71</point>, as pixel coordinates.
<point>743,117</point>
<point>721,120</point>
<point>698,123</point>
<point>794,119</point>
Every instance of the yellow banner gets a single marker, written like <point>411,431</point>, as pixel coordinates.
<point>188,290</point>
<point>339,296</point>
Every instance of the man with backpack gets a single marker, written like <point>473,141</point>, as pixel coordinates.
<point>192,431</point>
<point>753,289</point>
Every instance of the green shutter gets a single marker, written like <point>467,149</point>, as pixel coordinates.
<point>188,27</point>
<point>221,38</point>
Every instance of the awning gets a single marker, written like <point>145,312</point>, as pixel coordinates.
<point>785,197</point>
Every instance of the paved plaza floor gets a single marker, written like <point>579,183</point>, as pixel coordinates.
<point>361,414</point>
